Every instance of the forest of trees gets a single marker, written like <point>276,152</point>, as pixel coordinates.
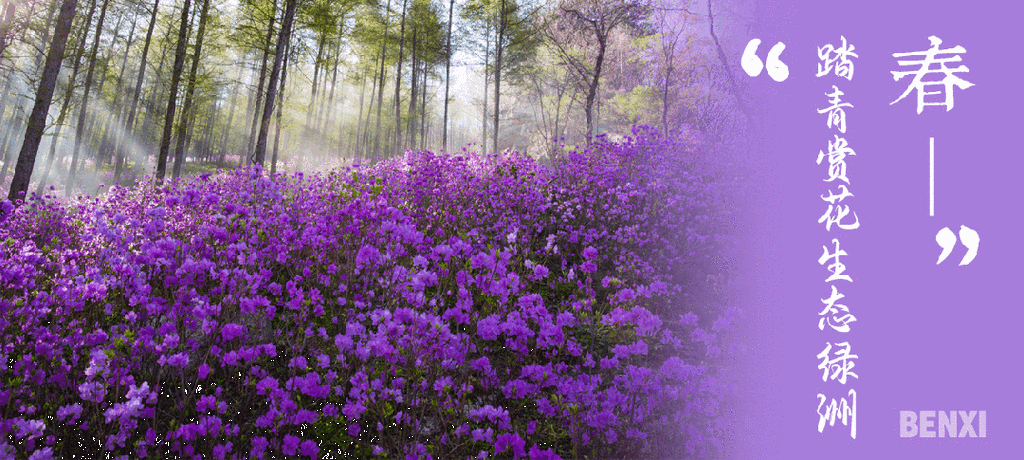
<point>107,91</point>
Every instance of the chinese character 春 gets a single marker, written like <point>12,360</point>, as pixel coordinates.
<point>841,366</point>
<point>836,114</point>
<point>830,54</point>
<point>929,58</point>
<point>838,323</point>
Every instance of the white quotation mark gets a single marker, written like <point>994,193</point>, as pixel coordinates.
<point>752,64</point>
<point>947,240</point>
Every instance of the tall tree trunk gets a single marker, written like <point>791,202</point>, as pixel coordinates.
<point>259,88</point>
<point>227,129</point>
<point>92,133</point>
<point>728,70</point>
<point>447,76</point>
<point>280,110</point>
<point>208,137</point>
<point>423,109</point>
<point>499,47</point>
<point>334,83</point>
<point>179,64</point>
<point>665,99</point>
<point>121,133</point>
<point>8,147</point>
<point>487,62</point>
<point>358,150</point>
<point>151,106</point>
<point>8,158</point>
<point>398,83</point>
<point>412,93</point>
<point>9,17</point>
<point>602,43</point>
<point>282,41</point>
<point>69,90</point>
<point>6,24</point>
<point>79,130</point>
<point>307,129</point>
<point>190,89</point>
<point>44,95</point>
<point>250,137</point>
<point>106,144</point>
<point>380,84</point>
<point>316,80</point>
<point>130,122</point>
<point>364,147</point>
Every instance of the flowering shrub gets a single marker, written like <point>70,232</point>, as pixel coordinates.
<point>436,306</point>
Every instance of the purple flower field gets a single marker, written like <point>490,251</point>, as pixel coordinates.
<point>436,306</point>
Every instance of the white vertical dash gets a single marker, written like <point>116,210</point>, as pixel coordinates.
<point>931,181</point>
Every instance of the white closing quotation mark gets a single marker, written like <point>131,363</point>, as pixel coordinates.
<point>947,240</point>
<point>752,64</point>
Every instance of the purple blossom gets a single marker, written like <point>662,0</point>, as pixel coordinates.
<point>259,446</point>
<point>204,370</point>
<point>688,319</point>
<point>510,441</point>
<point>309,448</point>
<point>353,410</point>
<point>178,359</point>
<point>367,255</point>
<point>488,328</point>
<point>485,435</point>
<point>74,410</point>
<point>231,330</point>
<point>290,444</point>
<point>306,416</point>
<point>221,450</point>
<point>425,262</point>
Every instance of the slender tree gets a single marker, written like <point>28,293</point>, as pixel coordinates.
<point>44,95</point>
<point>190,89</point>
<point>172,103</point>
<point>280,110</point>
<point>447,76</point>
<point>380,83</point>
<point>398,83</point>
<point>728,70</point>
<point>263,78</point>
<point>227,129</point>
<point>487,57</point>
<point>69,89</point>
<point>413,95</point>
<point>129,124</point>
<point>80,127</point>
<point>282,39</point>
<point>588,24</point>
<point>499,49</point>
<point>121,133</point>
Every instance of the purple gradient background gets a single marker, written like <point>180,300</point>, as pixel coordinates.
<point>929,337</point>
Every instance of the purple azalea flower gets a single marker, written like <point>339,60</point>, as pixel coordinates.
<point>290,444</point>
